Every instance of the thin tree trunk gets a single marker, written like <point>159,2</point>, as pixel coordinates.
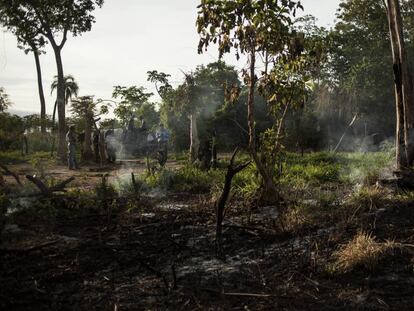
<point>60,106</point>
<point>250,104</point>
<point>194,140</point>
<point>269,191</point>
<point>403,89</point>
<point>41,93</point>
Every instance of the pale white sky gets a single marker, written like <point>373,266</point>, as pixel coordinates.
<point>129,38</point>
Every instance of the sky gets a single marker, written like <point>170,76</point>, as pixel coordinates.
<point>129,38</point>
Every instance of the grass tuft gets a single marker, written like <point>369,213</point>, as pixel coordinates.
<point>362,251</point>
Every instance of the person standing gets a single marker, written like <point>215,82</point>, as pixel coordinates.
<point>163,136</point>
<point>71,140</point>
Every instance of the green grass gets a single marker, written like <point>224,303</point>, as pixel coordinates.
<point>187,179</point>
<point>298,172</point>
<point>16,156</point>
<point>316,169</point>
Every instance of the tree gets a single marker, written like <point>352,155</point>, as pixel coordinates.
<point>404,95</point>
<point>30,40</point>
<point>4,100</point>
<point>88,110</point>
<point>252,28</point>
<point>55,20</point>
<point>71,88</point>
<point>359,75</point>
<point>198,98</point>
<point>160,80</point>
<point>132,100</point>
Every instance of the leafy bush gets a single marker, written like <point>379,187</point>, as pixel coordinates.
<point>40,142</point>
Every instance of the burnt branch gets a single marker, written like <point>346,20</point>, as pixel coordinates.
<point>232,170</point>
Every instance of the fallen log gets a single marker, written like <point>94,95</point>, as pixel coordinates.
<point>48,191</point>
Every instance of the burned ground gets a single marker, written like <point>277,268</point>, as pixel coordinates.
<point>77,252</point>
<point>162,257</point>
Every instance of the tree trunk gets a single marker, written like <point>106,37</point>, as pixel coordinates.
<point>194,140</point>
<point>60,106</point>
<point>250,104</point>
<point>269,191</point>
<point>403,89</point>
<point>41,93</point>
<point>87,154</point>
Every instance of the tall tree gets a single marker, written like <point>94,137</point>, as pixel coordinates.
<point>358,70</point>
<point>4,100</point>
<point>55,20</point>
<point>87,110</point>
<point>404,97</point>
<point>132,100</point>
<point>198,98</point>
<point>31,41</point>
<point>252,28</point>
<point>71,88</point>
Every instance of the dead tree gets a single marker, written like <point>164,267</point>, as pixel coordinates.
<point>48,191</point>
<point>220,206</point>
<point>404,96</point>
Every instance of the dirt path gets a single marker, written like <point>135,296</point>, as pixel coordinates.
<point>87,175</point>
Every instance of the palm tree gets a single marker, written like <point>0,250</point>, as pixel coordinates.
<point>71,90</point>
<point>4,100</point>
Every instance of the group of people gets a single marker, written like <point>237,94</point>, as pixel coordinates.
<point>104,144</point>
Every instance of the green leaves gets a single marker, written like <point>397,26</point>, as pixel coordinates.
<point>4,100</point>
<point>31,21</point>
<point>85,107</point>
<point>133,95</point>
<point>132,99</point>
<point>245,25</point>
<point>160,79</point>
